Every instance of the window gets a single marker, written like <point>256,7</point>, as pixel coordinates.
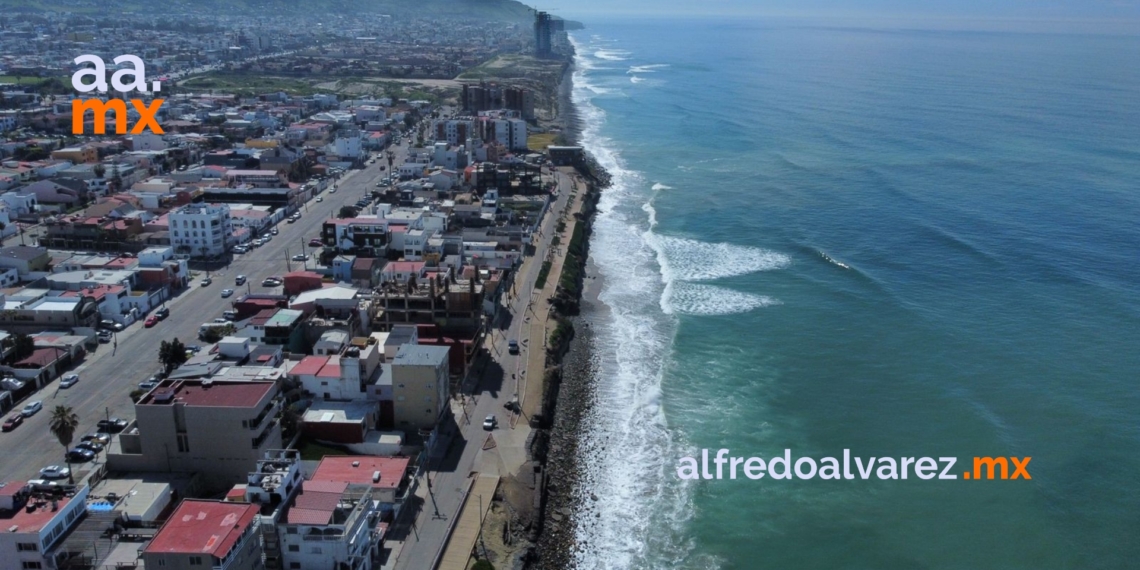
<point>162,562</point>
<point>183,443</point>
<point>315,550</point>
<point>31,565</point>
<point>294,564</point>
<point>294,548</point>
<point>27,547</point>
<point>195,560</point>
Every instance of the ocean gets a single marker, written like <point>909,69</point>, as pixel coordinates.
<point>901,242</point>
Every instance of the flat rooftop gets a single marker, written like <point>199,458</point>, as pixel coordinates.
<point>208,394</point>
<point>360,468</point>
<point>203,527</point>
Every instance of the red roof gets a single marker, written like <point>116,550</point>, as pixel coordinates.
<point>330,370</point>
<point>309,365</point>
<point>24,521</point>
<point>217,394</point>
<point>340,468</point>
<point>208,527</point>
<point>316,502</point>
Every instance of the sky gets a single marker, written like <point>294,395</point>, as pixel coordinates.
<point>1111,11</point>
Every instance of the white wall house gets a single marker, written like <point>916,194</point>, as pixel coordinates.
<point>200,229</point>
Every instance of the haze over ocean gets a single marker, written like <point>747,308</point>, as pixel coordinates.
<point>898,242</point>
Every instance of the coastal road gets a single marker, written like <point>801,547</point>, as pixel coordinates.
<point>492,389</point>
<point>109,373</point>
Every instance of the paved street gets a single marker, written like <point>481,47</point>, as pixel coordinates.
<point>109,373</point>
<point>495,387</point>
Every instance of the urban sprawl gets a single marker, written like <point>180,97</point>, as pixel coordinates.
<point>311,323</point>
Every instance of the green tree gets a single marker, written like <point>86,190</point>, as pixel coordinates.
<point>346,212</point>
<point>99,170</point>
<point>172,354</point>
<point>64,421</point>
<point>22,347</point>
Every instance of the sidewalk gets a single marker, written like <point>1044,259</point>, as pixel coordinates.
<point>464,537</point>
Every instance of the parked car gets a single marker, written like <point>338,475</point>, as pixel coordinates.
<point>43,485</point>
<point>79,455</point>
<point>104,335</point>
<point>150,321</point>
<point>148,385</point>
<point>194,348</point>
<point>240,249</point>
<point>513,346</point>
<point>11,384</point>
<point>32,408</point>
<point>100,438</point>
<point>162,313</point>
<point>113,425</point>
<point>13,422</point>
<point>69,381</point>
<point>291,221</point>
<point>274,231</point>
<point>271,282</point>
<point>93,446</point>
<point>239,280</point>
<point>111,325</point>
<point>300,257</point>
<point>227,293</point>
<point>55,472</point>
<point>316,242</point>
<point>490,422</point>
<point>320,198</point>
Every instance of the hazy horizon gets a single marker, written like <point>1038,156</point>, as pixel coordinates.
<point>1092,16</point>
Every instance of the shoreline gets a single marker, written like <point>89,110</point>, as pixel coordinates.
<point>565,505</point>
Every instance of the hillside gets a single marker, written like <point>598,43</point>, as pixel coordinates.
<point>493,10</point>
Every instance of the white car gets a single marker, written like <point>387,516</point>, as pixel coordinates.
<point>55,472</point>
<point>320,198</point>
<point>490,422</point>
<point>227,293</point>
<point>31,409</point>
<point>69,381</point>
<point>300,257</point>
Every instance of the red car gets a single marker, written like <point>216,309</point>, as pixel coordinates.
<point>151,321</point>
<point>13,422</point>
<point>315,242</point>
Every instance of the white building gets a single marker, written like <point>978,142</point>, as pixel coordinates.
<point>511,133</point>
<point>200,229</point>
<point>343,515</point>
<point>35,523</point>
<point>348,145</point>
<point>147,141</point>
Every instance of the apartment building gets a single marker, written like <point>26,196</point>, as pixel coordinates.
<point>330,525</point>
<point>35,523</point>
<point>419,385</point>
<point>200,229</point>
<point>217,428</point>
<point>207,534</point>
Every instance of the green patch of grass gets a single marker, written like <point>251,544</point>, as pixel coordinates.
<point>313,451</point>
<point>540,282</point>
<point>250,84</point>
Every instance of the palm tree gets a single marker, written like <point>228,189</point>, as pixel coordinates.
<point>64,421</point>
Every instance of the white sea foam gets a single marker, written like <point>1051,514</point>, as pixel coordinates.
<point>691,260</point>
<point>641,519</point>
<point>651,68</point>
<point>699,299</point>
<point>657,187</point>
<point>636,79</point>
<point>612,54</point>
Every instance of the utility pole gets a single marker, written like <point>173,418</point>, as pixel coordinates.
<point>481,543</point>
<point>288,264</point>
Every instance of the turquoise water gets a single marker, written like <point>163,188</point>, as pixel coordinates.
<point>898,242</point>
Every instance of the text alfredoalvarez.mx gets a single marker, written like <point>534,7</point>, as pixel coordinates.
<point>133,69</point>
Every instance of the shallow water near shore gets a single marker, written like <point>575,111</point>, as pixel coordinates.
<point>898,242</point>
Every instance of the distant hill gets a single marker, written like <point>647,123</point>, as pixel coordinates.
<point>492,10</point>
